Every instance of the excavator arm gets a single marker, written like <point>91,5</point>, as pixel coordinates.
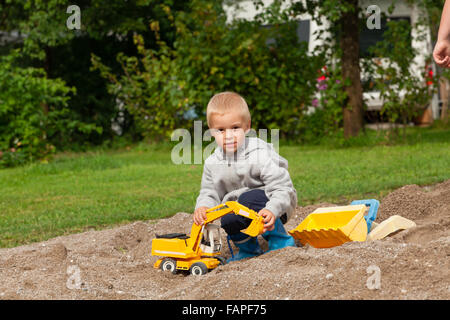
<point>254,229</point>
<point>256,226</point>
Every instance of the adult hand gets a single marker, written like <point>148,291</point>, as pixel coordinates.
<point>441,53</point>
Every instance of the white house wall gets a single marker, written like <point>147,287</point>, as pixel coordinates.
<point>246,10</point>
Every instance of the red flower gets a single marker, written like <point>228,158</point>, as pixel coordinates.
<point>429,76</point>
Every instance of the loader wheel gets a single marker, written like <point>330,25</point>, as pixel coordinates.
<point>198,269</point>
<point>169,265</point>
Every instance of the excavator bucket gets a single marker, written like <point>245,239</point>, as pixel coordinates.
<point>256,227</point>
<point>332,226</point>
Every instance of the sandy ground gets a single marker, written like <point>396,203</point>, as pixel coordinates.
<point>117,264</point>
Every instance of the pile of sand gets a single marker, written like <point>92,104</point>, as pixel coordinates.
<point>116,263</point>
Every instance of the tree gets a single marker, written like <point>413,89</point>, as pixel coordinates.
<point>353,108</point>
<point>340,44</point>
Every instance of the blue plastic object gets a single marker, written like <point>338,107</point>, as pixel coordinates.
<point>247,249</point>
<point>373,209</point>
<point>278,238</point>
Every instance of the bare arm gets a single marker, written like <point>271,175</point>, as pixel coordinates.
<point>441,53</point>
<point>444,27</point>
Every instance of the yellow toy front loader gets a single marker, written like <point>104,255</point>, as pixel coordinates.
<point>200,251</point>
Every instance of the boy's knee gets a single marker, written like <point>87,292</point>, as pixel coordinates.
<point>255,199</point>
<point>226,220</point>
<point>252,196</point>
<point>232,223</point>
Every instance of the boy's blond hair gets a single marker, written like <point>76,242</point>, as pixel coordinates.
<point>225,102</point>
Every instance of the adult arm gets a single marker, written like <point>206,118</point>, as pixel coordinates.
<point>441,52</point>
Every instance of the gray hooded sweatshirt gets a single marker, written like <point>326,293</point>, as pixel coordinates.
<point>254,165</point>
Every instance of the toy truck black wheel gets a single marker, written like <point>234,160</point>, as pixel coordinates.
<point>168,265</point>
<point>222,260</point>
<point>198,269</point>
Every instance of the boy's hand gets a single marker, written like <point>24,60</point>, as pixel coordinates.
<point>269,219</point>
<point>200,215</point>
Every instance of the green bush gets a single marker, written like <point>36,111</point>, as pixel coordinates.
<point>33,113</point>
<point>326,120</point>
<point>148,87</point>
<point>405,94</point>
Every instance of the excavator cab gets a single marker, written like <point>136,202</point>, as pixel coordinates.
<point>211,241</point>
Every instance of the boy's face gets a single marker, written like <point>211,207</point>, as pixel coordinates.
<point>229,130</point>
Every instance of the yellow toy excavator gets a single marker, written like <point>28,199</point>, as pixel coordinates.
<point>200,252</point>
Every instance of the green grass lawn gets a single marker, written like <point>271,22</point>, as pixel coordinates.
<point>77,192</point>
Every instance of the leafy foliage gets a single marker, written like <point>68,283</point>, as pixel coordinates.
<point>65,55</point>
<point>33,113</point>
<point>156,63</point>
<point>326,120</point>
<point>148,87</point>
<point>405,93</point>
<point>268,66</point>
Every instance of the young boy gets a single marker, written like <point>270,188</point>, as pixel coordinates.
<point>247,170</point>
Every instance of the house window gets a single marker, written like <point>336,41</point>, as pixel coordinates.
<point>302,31</point>
<point>369,37</point>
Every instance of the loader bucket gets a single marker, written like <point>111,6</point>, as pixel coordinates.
<point>332,226</point>
<point>372,212</point>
